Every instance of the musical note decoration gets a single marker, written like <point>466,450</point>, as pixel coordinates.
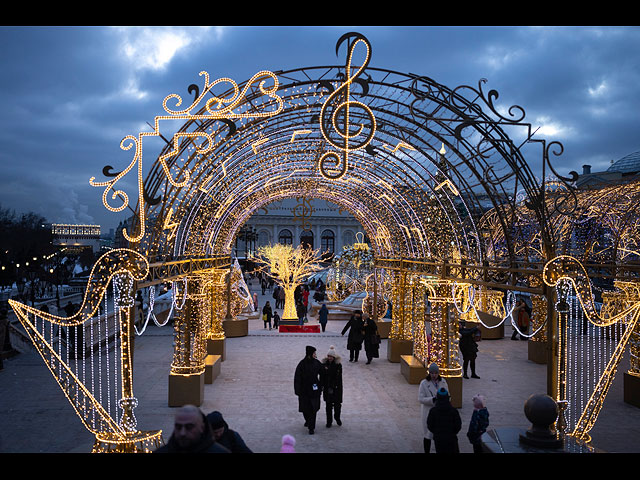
<point>335,116</point>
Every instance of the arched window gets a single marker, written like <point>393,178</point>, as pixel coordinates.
<point>263,238</point>
<point>327,241</point>
<point>285,237</point>
<point>306,238</point>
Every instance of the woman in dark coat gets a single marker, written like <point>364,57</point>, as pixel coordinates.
<point>371,339</point>
<point>308,387</point>
<point>355,325</point>
<point>267,313</point>
<point>469,350</point>
<point>332,385</point>
<point>323,316</point>
<point>445,423</point>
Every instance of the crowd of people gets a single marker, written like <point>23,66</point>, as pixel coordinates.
<point>317,380</point>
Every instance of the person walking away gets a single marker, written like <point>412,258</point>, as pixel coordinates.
<point>281,296</point>
<point>275,296</point>
<point>331,378</point>
<point>305,301</point>
<point>469,349</point>
<point>444,423</point>
<point>266,315</point>
<point>478,424</point>
<point>427,392</point>
<point>371,338</point>
<point>191,434</point>
<point>300,312</point>
<point>323,316</point>
<point>308,388</point>
<point>523,314</point>
<point>223,435</point>
<point>276,319</point>
<point>288,444</point>
<point>356,335</point>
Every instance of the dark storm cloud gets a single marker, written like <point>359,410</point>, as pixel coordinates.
<point>70,94</point>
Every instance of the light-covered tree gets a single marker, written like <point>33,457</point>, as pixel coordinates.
<point>287,266</point>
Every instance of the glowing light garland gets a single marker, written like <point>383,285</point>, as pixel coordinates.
<point>70,366</point>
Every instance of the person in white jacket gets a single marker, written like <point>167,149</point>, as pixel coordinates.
<point>427,393</point>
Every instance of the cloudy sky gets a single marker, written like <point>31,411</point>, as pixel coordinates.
<point>69,95</point>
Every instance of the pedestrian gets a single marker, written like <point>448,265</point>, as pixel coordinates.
<point>224,436</point>
<point>288,444</point>
<point>371,338</point>
<point>300,312</point>
<point>276,320</point>
<point>266,315</point>
<point>427,392</point>
<point>478,424</point>
<point>255,302</point>
<point>191,434</point>
<point>263,285</point>
<point>281,296</point>
<point>355,326</point>
<point>332,385</point>
<point>323,316</point>
<point>387,314</point>
<point>469,349</point>
<point>305,301</point>
<point>308,388</point>
<point>523,315</point>
<point>275,296</point>
<point>444,423</point>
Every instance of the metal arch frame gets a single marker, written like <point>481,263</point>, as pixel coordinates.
<point>411,119</point>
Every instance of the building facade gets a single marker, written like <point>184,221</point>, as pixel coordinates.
<point>76,236</point>
<point>315,222</point>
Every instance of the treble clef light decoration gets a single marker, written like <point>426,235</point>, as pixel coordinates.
<point>337,112</point>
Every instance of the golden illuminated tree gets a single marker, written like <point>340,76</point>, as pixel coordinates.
<point>287,266</point>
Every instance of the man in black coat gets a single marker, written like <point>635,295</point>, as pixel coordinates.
<point>355,325</point>
<point>191,434</point>
<point>445,423</point>
<point>307,386</point>
<point>226,437</point>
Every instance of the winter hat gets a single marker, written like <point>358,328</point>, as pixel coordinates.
<point>433,368</point>
<point>332,352</point>
<point>215,420</point>
<point>478,401</point>
<point>443,393</point>
<point>310,350</point>
<point>288,444</point>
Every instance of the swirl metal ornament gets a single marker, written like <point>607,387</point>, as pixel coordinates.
<point>216,108</point>
<point>337,112</point>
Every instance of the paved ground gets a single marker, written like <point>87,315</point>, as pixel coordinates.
<point>254,392</point>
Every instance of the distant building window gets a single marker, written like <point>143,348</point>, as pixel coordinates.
<point>327,241</point>
<point>263,239</point>
<point>306,238</point>
<point>348,238</point>
<point>285,237</point>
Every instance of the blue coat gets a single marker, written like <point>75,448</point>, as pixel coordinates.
<point>323,314</point>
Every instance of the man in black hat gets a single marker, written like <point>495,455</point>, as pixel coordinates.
<point>307,387</point>
<point>224,435</point>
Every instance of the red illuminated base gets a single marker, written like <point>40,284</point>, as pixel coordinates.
<point>299,328</point>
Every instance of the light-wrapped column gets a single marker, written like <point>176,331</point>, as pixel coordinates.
<point>190,330</point>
